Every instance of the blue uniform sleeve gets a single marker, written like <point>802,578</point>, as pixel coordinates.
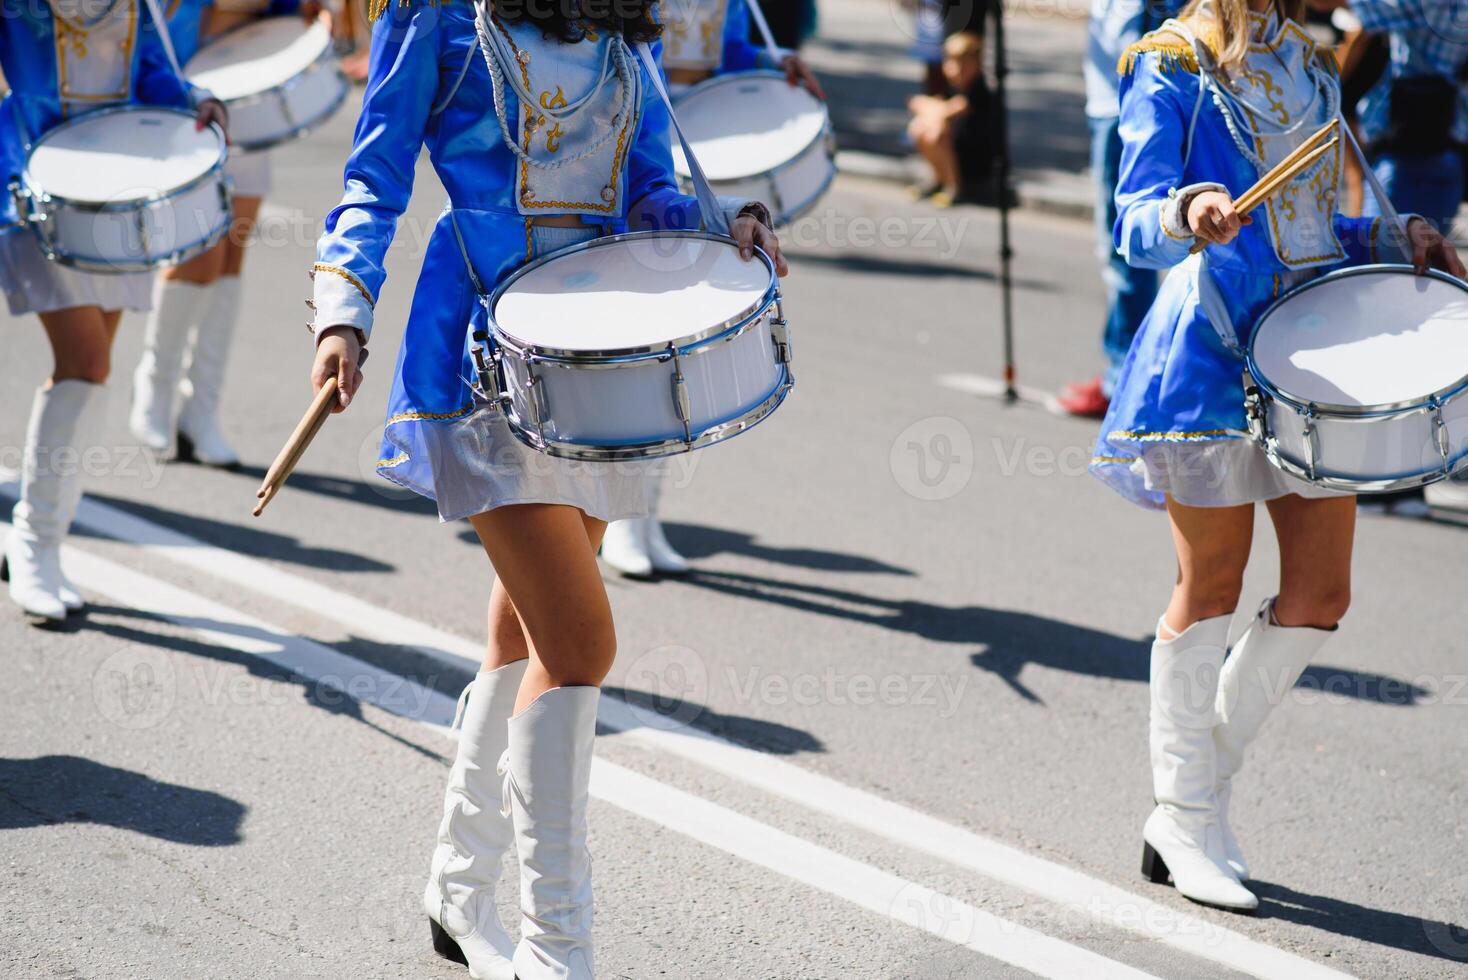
<point>402,83</point>
<point>1153,125</point>
<point>740,53</point>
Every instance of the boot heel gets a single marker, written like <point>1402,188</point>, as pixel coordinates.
<point>444,945</point>
<point>1154,869</point>
<point>4,569</point>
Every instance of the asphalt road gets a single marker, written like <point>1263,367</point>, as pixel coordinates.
<point>894,726</point>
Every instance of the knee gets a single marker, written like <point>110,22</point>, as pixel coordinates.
<point>83,365</point>
<point>1320,608</point>
<point>579,652</point>
<point>1213,595</point>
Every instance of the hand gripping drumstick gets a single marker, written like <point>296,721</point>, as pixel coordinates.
<point>1302,158</point>
<point>295,446</point>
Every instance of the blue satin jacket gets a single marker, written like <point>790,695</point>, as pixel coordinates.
<point>428,86</point>
<point>33,105</point>
<point>741,53</point>
<point>1180,382</point>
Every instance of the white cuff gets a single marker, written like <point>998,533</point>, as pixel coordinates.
<point>340,300</point>
<point>771,62</point>
<point>1175,210</point>
<point>731,206</point>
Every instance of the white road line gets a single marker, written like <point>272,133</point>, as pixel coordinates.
<point>907,827</point>
<point>860,884</point>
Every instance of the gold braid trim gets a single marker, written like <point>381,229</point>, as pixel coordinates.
<point>376,8</point>
<point>347,275</point>
<point>1172,55</point>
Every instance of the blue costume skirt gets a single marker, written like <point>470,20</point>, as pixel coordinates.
<point>1176,425</point>
<point>444,441</point>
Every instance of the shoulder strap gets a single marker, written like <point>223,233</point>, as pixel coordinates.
<point>708,203</point>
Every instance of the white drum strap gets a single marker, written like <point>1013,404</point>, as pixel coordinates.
<point>161,23</point>
<point>758,14</point>
<point>1394,220</point>
<point>708,203</point>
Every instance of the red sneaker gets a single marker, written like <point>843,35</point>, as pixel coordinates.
<point>1085,399</point>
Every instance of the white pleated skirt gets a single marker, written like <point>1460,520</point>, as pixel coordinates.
<point>35,284</point>
<point>1218,473</point>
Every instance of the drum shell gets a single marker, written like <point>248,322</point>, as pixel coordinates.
<point>625,408</point>
<point>1365,453</point>
<point>131,235</point>
<point>789,190</point>
<point>288,111</point>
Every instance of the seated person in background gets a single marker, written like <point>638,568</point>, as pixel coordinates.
<point>954,134</point>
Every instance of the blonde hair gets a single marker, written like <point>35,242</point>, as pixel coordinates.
<point>1223,25</point>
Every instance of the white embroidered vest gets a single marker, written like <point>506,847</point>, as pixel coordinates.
<point>579,98</point>
<point>94,52</point>
<point>693,33</point>
<point>1279,96</point>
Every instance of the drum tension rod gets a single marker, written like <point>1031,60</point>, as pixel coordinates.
<point>1440,429</point>
<point>780,334</point>
<point>681,403</point>
<point>1312,445</point>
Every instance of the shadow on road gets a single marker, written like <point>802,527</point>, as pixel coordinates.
<point>247,539</point>
<point>379,494</point>
<point>333,698</point>
<point>1015,640</point>
<point>58,789</point>
<point>698,541</point>
<point>872,264</point>
<point>1411,934</point>
<point>767,736</point>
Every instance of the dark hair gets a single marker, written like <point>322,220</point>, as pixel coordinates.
<point>570,20</point>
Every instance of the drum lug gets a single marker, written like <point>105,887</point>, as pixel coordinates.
<point>1440,430</point>
<point>780,333</point>
<point>682,405</point>
<point>536,398</point>
<point>490,368</point>
<point>1312,442</point>
<point>142,222</point>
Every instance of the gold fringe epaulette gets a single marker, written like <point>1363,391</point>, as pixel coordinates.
<point>1172,55</point>
<point>376,8</point>
<point>1328,60</point>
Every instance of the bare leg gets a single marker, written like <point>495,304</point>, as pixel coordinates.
<point>1212,545</point>
<point>1315,542</point>
<point>545,559</point>
<point>81,342</point>
<point>246,210</point>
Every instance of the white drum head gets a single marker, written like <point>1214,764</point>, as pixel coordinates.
<point>258,57</point>
<point>743,125</point>
<point>1378,337</point>
<point>113,156</point>
<point>639,292</point>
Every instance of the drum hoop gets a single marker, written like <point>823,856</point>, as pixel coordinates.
<point>740,321</point>
<point>178,256</point>
<point>585,452</point>
<point>326,51</point>
<point>720,80</point>
<point>1349,484</point>
<point>132,204</point>
<point>1301,404</point>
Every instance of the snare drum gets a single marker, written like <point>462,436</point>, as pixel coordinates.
<point>636,346</point>
<point>1359,379</point>
<point>757,136</point>
<point>277,76</point>
<point>126,189</point>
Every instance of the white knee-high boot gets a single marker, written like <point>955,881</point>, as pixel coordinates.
<point>547,780</point>
<point>198,418</point>
<point>1182,836</point>
<point>637,547</point>
<point>475,833</point>
<point>177,306</point>
<point>665,558</point>
<point>1260,672</point>
<point>62,427</point>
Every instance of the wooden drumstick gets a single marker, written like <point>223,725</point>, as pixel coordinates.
<point>1270,183</point>
<point>295,446</point>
